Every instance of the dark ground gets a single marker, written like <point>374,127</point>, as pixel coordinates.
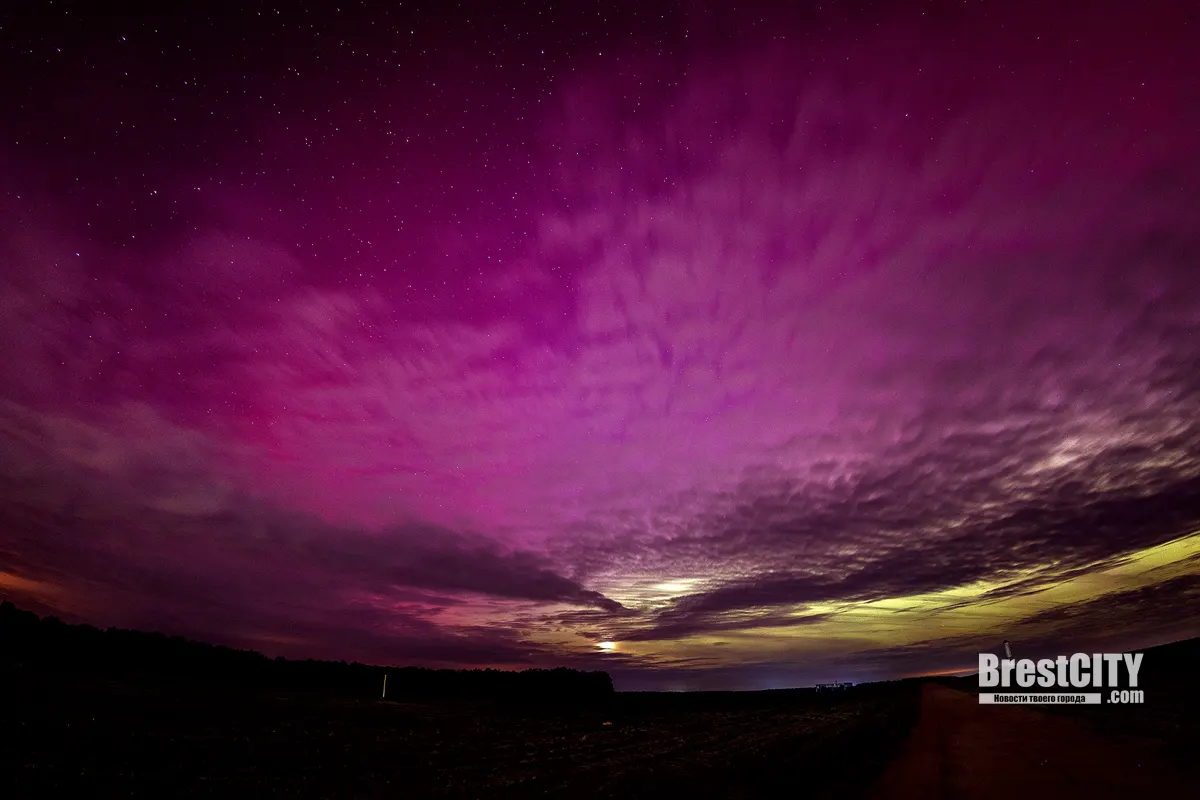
<point>961,750</point>
<point>1166,725</point>
<point>69,734</point>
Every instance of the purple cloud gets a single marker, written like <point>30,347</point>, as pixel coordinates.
<point>660,340</point>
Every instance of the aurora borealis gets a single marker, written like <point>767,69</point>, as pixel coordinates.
<point>717,350</point>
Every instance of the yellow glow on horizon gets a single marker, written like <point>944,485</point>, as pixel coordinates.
<point>911,619</point>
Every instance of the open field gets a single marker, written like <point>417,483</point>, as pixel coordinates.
<point>76,734</point>
<point>960,750</point>
<point>1165,725</point>
<point>73,733</point>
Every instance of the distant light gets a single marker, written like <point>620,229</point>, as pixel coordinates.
<point>607,646</point>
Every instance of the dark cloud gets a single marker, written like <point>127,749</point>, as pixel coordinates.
<point>1164,611</point>
<point>889,534</point>
<point>110,522</point>
<point>1119,621</point>
<point>684,621</point>
<point>664,338</point>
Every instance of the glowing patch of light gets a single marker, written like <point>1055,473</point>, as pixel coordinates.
<point>674,586</point>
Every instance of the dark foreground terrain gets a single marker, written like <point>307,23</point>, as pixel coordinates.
<point>961,750</point>
<point>1165,726</point>
<point>69,734</point>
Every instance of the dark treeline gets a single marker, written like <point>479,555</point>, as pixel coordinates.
<point>50,644</point>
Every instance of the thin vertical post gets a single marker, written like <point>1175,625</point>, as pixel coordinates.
<point>385,686</point>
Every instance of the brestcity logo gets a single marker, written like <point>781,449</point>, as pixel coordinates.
<point>1116,673</point>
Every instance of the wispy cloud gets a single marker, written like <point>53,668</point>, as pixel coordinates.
<point>757,339</point>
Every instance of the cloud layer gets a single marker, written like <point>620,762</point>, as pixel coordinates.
<point>694,348</point>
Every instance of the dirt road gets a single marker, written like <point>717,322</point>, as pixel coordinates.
<point>961,750</point>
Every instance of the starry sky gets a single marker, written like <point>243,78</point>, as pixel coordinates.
<point>729,348</point>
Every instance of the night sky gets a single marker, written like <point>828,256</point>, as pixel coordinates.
<point>732,349</point>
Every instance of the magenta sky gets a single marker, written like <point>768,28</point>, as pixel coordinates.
<point>767,349</point>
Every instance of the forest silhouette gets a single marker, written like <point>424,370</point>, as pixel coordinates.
<point>48,643</point>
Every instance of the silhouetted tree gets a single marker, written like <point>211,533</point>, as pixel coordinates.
<point>52,644</point>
